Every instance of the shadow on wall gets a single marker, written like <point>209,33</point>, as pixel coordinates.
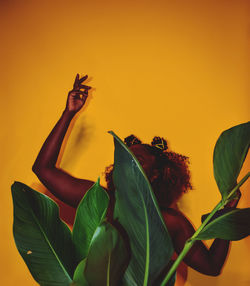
<point>75,142</point>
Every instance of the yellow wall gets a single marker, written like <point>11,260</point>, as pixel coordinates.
<point>178,69</point>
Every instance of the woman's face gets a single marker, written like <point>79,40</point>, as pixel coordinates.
<point>145,158</point>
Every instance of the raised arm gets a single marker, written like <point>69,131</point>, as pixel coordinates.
<point>64,186</point>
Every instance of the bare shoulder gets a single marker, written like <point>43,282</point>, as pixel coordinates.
<point>177,222</point>
<point>173,215</point>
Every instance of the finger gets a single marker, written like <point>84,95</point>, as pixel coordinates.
<point>76,81</point>
<point>85,86</point>
<point>84,96</point>
<point>76,92</point>
<point>83,78</point>
<point>83,93</point>
<point>77,77</point>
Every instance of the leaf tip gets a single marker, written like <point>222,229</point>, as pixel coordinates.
<point>111,133</point>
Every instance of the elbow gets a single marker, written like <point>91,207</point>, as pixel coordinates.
<point>40,166</point>
<point>210,270</point>
<point>38,169</point>
<point>41,171</point>
<point>215,272</point>
<point>35,169</point>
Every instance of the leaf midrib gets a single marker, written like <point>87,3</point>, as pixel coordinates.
<point>50,246</point>
<point>147,242</point>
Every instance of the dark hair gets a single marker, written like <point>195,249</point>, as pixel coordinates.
<point>173,177</point>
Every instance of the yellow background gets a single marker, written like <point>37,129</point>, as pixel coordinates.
<point>178,69</point>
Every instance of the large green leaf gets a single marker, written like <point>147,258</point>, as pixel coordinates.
<point>107,258</point>
<point>229,154</point>
<point>89,215</point>
<point>42,239</point>
<point>234,225</point>
<point>137,210</point>
<point>217,214</point>
<point>79,278</point>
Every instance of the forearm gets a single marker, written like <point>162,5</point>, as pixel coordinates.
<point>49,152</point>
<point>219,248</point>
<point>218,254</point>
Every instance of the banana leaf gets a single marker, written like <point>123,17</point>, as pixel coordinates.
<point>137,210</point>
<point>107,258</point>
<point>233,225</point>
<point>229,154</point>
<point>216,215</point>
<point>79,278</point>
<point>89,215</point>
<point>42,239</point>
<point>106,261</point>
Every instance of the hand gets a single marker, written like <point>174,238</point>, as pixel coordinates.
<point>233,203</point>
<point>77,97</point>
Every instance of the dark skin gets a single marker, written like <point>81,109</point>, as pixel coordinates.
<point>71,190</point>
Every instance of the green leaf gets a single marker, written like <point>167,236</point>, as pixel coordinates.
<point>137,210</point>
<point>162,275</point>
<point>107,258</point>
<point>89,215</point>
<point>216,215</point>
<point>229,154</point>
<point>233,225</point>
<point>42,239</point>
<point>79,278</point>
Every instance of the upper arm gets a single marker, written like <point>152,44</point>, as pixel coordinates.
<point>64,186</point>
<point>181,230</point>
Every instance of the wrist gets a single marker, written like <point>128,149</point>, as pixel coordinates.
<point>68,114</point>
<point>234,201</point>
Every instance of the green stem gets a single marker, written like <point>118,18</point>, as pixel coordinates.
<point>189,243</point>
<point>185,250</point>
<point>241,182</point>
<point>217,207</point>
<point>108,270</point>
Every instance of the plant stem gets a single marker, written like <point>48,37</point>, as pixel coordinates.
<point>189,243</point>
<point>217,207</point>
<point>241,182</point>
<point>185,250</point>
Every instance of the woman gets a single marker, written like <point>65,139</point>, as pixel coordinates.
<point>163,177</point>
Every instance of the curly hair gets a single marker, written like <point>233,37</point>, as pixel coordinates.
<point>173,177</point>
